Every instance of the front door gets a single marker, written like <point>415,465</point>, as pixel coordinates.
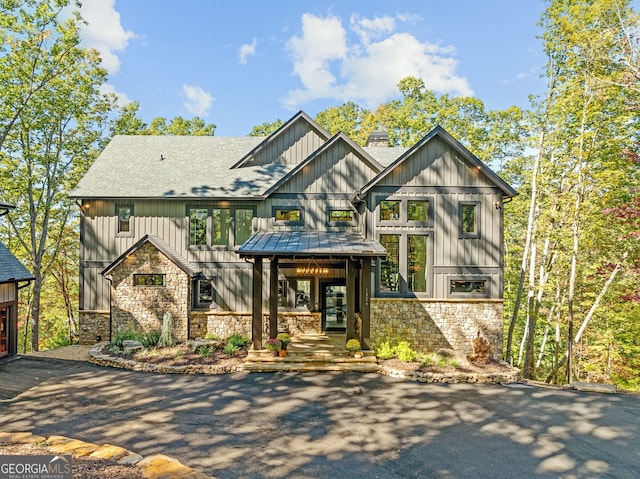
<point>334,306</point>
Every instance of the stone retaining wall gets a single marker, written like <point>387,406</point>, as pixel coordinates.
<point>430,325</point>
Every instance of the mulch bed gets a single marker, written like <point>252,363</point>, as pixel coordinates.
<point>472,368</point>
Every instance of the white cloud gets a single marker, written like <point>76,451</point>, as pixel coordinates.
<point>104,32</point>
<point>197,100</point>
<point>247,50</point>
<point>368,68</point>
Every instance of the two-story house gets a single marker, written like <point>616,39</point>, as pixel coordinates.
<point>299,231</point>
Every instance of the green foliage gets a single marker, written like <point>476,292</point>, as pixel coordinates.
<point>230,349</point>
<point>166,335</point>
<point>204,351</point>
<point>284,338</point>
<point>127,336</point>
<point>404,352</point>
<point>238,341</point>
<point>211,336</point>
<point>385,351</point>
<point>266,128</point>
<point>353,345</point>
<point>272,344</point>
<point>150,339</point>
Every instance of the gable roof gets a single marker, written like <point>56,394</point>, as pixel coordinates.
<point>12,270</point>
<point>176,167</point>
<point>161,246</point>
<point>287,124</point>
<point>337,138</point>
<point>441,133</point>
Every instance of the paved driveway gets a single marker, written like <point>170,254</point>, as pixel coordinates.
<point>326,425</point>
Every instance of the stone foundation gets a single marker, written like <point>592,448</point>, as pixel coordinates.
<point>94,327</point>
<point>430,325</point>
<point>223,324</point>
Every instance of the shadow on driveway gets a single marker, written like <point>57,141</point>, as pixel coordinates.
<point>327,425</point>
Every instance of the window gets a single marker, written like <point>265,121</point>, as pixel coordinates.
<point>242,227</point>
<point>220,221</point>
<point>417,263</point>
<point>469,220</point>
<point>124,213</point>
<point>203,292</point>
<point>148,280</point>
<point>468,287</point>
<point>389,267</point>
<point>418,210</point>
<point>219,226</point>
<point>198,227</point>
<point>390,210</point>
<point>342,216</point>
<point>288,215</point>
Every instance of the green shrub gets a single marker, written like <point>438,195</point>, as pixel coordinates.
<point>166,336</point>
<point>211,336</point>
<point>404,352</point>
<point>428,360</point>
<point>353,345</point>
<point>385,351</point>
<point>230,348</point>
<point>127,336</point>
<point>204,351</point>
<point>238,341</point>
<point>150,339</point>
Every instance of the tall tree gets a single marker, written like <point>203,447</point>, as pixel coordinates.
<point>52,116</point>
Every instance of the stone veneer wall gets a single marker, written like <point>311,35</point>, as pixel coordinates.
<point>225,323</point>
<point>430,325</point>
<point>142,308</point>
<point>94,327</point>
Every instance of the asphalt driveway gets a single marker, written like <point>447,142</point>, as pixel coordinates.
<point>328,425</point>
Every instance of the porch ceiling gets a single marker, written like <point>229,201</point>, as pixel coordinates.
<point>310,244</point>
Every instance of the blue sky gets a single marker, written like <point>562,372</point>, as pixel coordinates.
<point>240,64</point>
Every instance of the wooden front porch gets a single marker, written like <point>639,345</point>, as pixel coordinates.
<point>312,352</point>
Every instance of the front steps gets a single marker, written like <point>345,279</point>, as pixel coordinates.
<point>312,353</point>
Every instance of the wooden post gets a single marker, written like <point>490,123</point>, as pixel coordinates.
<point>351,299</point>
<point>365,307</point>
<point>273,298</point>
<point>256,319</point>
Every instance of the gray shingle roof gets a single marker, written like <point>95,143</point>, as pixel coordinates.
<point>176,167</point>
<point>307,243</point>
<point>186,167</point>
<point>161,246</point>
<point>11,270</point>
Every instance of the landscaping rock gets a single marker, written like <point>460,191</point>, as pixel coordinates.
<point>132,345</point>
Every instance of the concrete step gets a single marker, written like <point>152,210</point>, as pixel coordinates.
<point>309,366</point>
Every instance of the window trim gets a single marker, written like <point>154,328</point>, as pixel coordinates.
<point>461,233</point>
<point>379,213</point>
<point>196,303</point>
<point>138,275</point>
<point>274,209</point>
<point>207,241</point>
<point>231,236</point>
<point>124,234</point>
<point>403,219</point>
<point>352,222</point>
<point>429,221</point>
<point>487,289</point>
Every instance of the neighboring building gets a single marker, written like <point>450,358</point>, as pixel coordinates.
<point>299,231</point>
<point>12,273</point>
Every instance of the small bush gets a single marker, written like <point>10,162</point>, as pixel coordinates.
<point>385,351</point>
<point>428,360</point>
<point>238,341</point>
<point>212,336</point>
<point>404,352</point>
<point>230,349</point>
<point>204,351</point>
<point>353,345</point>
<point>166,336</point>
<point>150,339</point>
<point>127,336</point>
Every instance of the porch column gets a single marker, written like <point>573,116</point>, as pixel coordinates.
<point>351,299</point>
<point>256,308</point>
<point>365,306</point>
<point>273,298</point>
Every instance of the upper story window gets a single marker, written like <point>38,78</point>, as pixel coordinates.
<point>125,219</point>
<point>414,211</point>
<point>390,210</point>
<point>342,216</point>
<point>219,226</point>
<point>288,215</point>
<point>469,218</point>
<point>149,280</point>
